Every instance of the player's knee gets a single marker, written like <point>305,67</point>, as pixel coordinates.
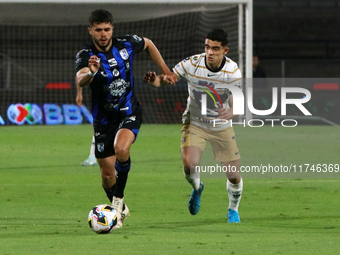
<point>186,168</point>
<point>234,178</point>
<point>186,162</point>
<point>108,177</point>
<point>122,152</point>
<point>190,163</point>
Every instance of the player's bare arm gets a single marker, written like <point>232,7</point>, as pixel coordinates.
<point>159,80</point>
<point>152,50</point>
<point>79,97</point>
<point>85,75</point>
<point>225,114</point>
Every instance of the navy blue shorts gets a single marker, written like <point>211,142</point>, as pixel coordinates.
<point>104,135</point>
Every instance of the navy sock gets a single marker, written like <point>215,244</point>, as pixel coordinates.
<point>111,192</point>
<point>123,169</point>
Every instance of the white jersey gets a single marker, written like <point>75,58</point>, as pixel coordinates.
<point>201,81</point>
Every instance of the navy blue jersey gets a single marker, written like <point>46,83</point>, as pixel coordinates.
<point>113,96</point>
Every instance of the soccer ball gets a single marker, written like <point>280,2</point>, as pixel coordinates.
<point>102,219</point>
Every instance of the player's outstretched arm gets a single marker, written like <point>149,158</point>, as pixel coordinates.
<point>156,56</point>
<point>159,80</point>
<point>85,75</point>
<point>79,97</point>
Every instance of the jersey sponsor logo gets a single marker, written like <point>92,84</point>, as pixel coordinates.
<point>103,74</point>
<point>212,86</point>
<point>78,54</point>
<point>78,61</point>
<point>115,72</point>
<point>130,119</point>
<point>124,54</point>
<point>137,38</point>
<point>206,95</point>
<point>110,107</point>
<point>83,50</point>
<point>195,58</point>
<point>112,62</point>
<point>186,59</point>
<point>127,66</point>
<point>118,87</point>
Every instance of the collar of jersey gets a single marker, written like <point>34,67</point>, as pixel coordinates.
<point>216,70</point>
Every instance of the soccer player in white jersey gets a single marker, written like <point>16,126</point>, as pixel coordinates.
<point>202,73</point>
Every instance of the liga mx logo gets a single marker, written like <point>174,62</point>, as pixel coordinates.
<point>18,114</point>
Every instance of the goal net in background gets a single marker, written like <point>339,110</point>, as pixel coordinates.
<point>39,41</point>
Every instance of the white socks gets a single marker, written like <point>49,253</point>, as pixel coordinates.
<point>194,182</point>
<point>234,190</point>
<point>234,194</point>
<point>92,147</point>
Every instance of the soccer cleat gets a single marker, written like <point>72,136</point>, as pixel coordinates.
<point>195,200</point>
<point>90,161</point>
<point>121,209</point>
<point>125,213</point>
<point>233,216</point>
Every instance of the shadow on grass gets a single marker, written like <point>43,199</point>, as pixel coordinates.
<point>17,228</point>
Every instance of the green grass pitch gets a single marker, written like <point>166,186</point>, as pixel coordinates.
<point>46,195</point>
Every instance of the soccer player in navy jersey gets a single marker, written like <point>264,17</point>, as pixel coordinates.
<point>106,66</point>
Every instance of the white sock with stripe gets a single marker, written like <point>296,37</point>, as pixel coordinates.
<point>195,182</point>
<point>234,194</point>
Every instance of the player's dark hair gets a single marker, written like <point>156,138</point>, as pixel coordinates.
<point>100,16</point>
<point>218,35</point>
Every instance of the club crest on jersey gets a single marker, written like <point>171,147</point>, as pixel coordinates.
<point>112,62</point>
<point>124,54</point>
<point>100,147</point>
